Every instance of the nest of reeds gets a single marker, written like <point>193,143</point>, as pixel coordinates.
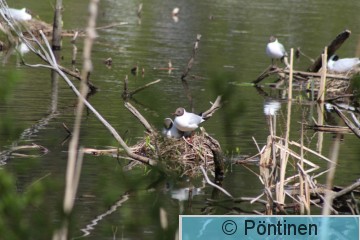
<point>182,156</point>
<point>334,86</point>
<point>35,25</point>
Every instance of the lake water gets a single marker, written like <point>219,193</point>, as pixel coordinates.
<point>231,53</point>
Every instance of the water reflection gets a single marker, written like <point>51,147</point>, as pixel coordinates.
<point>97,220</point>
<point>22,48</point>
<point>271,107</point>
<point>186,194</point>
<point>175,14</point>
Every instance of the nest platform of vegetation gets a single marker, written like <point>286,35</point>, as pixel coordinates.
<point>336,84</point>
<point>184,155</point>
<point>180,156</point>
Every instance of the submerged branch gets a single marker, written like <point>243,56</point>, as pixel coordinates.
<point>144,87</point>
<point>128,94</point>
<point>192,58</point>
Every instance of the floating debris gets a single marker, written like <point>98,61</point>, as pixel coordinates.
<point>108,62</point>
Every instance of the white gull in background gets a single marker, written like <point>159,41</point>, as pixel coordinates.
<point>17,14</point>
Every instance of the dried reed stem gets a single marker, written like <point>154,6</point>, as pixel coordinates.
<point>301,179</point>
<point>320,121</point>
<point>291,74</point>
<point>284,158</point>
<point>321,95</point>
<point>75,157</point>
<point>329,195</point>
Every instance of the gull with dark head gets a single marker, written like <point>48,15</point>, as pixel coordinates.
<point>186,121</point>
<point>342,65</point>
<point>275,50</point>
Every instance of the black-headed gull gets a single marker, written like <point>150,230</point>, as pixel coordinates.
<point>342,65</point>
<point>185,121</point>
<point>275,50</point>
<point>17,14</point>
<point>170,131</point>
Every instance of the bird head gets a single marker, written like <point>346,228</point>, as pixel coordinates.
<point>272,39</point>
<point>334,57</point>
<point>179,112</point>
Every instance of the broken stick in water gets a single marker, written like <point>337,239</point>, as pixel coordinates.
<point>331,49</point>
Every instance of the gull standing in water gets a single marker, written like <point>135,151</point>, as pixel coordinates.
<point>170,131</point>
<point>275,50</point>
<point>342,65</point>
<point>185,121</point>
